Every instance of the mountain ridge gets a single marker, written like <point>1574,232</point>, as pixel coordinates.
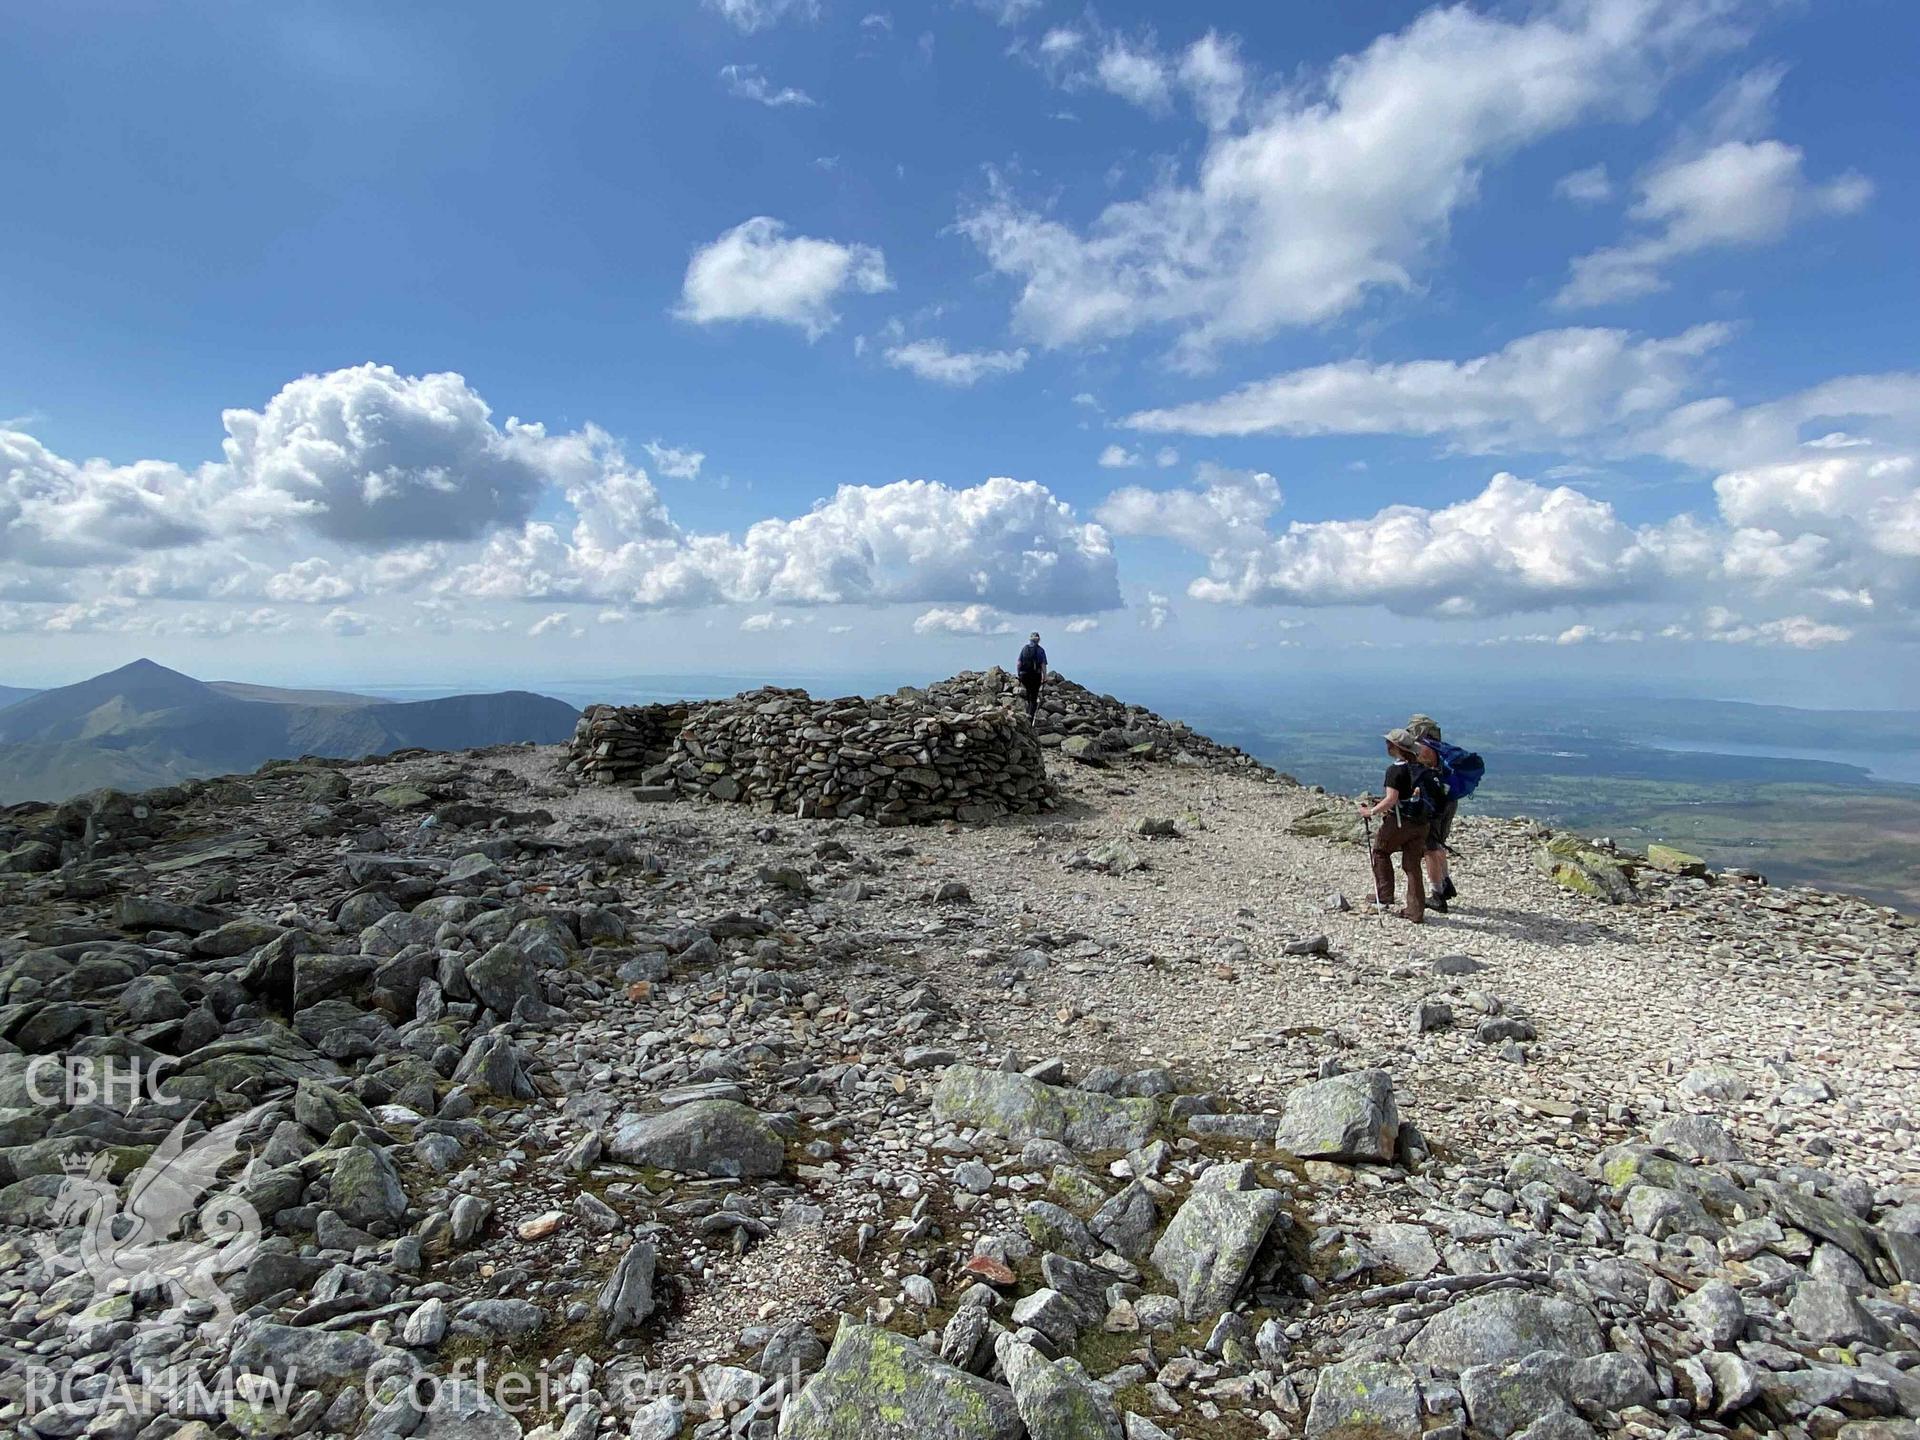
<point>145,724</point>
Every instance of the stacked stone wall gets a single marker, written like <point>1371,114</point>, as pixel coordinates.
<point>895,759</point>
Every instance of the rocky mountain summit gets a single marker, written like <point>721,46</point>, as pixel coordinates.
<point>479,1098</point>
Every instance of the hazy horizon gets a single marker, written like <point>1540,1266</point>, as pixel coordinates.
<point>1358,674</point>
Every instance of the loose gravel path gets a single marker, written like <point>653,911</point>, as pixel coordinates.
<point>1185,963</point>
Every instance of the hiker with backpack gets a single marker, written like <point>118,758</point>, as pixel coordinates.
<point>1032,670</point>
<point>1460,772</point>
<point>1409,797</point>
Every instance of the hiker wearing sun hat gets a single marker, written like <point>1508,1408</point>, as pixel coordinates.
<point>1460,772</point>
<point>1403,808</point>
<point>1440,888</point>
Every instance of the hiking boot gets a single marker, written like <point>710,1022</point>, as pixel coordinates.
<point>1416,919</point>
<point>1447,892</point>
<point>1437,904</point>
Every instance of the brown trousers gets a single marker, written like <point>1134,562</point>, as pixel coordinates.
<point>1409,842</point>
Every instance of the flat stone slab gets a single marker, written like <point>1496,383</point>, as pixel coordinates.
<point>702,1137</point>
<point>1505,1325</point>
<point>1022,1109</point>
<point>1364,1400</point>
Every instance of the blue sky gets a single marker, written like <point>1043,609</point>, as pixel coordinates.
<point>1572,339</point>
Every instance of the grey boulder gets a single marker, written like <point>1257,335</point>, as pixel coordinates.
<point>1211,1242</point>
<point>309,1358</point>
<point>877,1385</point>
<point>627,1297</point>
<point>1053,1402</point>
<point>366,1189</point>
<point>1364,1400</point>
<point>1349,1117</point>
<point>502,977</point>
<point>1020,1108</point>
<point>462,1410</point>
<point>1504,1325</point>
<point>703,1137</point>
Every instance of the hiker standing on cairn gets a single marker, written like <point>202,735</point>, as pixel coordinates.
<point>1032,670</point>
<point>1404,807</point>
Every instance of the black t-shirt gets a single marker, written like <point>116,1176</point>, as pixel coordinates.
<point>1399,780</point>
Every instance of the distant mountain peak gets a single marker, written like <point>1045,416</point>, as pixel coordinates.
<point>143,666</point>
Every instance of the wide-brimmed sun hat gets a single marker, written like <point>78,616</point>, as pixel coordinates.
<point>1422,727</point>
<point>1401,740</point>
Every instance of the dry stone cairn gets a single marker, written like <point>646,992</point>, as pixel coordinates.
<point>1095,729</point>
<point>895,759</point>
<point>614,744</point>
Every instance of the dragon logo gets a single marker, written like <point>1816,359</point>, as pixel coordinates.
<point>163,1236</point>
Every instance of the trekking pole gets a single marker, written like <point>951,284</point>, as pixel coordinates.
<point>1374,903</point>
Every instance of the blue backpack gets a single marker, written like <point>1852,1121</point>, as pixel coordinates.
<point>1462,770</point>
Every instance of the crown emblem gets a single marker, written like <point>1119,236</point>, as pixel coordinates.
<point>76,1164</point>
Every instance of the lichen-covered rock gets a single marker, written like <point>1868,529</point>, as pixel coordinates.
<point>1020,1109</point>
<point>1586,872</point>
<point>1675,862</point>
<point>1211,1242</point>
<point>1348,1117</point>
<point>1053,1227</point>
<point>1126,1222</point>
<point>1532,1167</point>
<point>702,1137</point>
<point>493,1062</point>
<point>366,1189</point>
<point>1505,1325</point>
<point>402,797</point>
<point>502,977</point>
<point>1822,1217</point>
<point>1827,1315</point>
<point>1505,1398</point>
<point>1330,823</point>
<point>1052,1401</point>
<point>1364,1400</point>
<point>877,1385</point>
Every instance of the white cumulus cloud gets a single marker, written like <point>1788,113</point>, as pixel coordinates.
<point>675,462</point>
<point>1553,386</point>
<point>965,620</point>
<point>932,360</point>
<point>295,514</point>
<point>310,581</point>
<point>1334,188</point>
<point>367,456</point>
<point>757,271</point>
<point>1515,546</point>
<point>1227,511</point>
<point>1726,187</point>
